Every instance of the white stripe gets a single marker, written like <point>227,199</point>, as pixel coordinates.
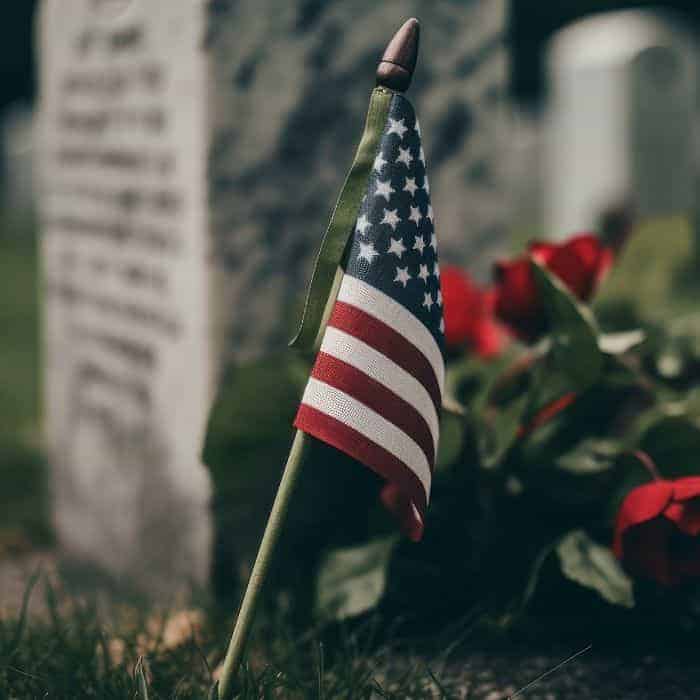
<point>383,370</point>
<point>374,302</point>
<point>356,415</point>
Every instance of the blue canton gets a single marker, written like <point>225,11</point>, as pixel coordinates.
<point>394,247</point>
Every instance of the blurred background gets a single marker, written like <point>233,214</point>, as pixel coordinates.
<point>539,119</point>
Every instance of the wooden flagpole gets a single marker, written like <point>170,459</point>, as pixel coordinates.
<point>394,71</point>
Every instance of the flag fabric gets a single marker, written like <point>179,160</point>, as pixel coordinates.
<point>376,387</point>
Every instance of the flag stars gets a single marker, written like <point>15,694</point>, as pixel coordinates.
<point>436,270</point>
<point>415,215</point>
<point>426,184</point>
<point>405,157</point>
<point>428,300</point>
<point>397,247</point>
<point>429,214</point>
<point>397,126</point>
<point>433,242</point>
<point>423,273</point>
<point>391,217</point>
<point>438,298</point>
<point>362,224</point>
<point>442,325</point>
<point>411,186</point>
<point>417,127</point>
<point>402,276</point>
<point>367,252</point>
<point>421,156</point>
<point>384,189</point>
<point>379,162</point>
<point>419,244</point>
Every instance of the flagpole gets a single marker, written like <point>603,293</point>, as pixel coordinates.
<point>394,71</point>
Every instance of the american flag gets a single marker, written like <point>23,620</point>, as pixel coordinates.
<point>376,387</point>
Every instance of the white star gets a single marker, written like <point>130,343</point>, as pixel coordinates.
<point>384,189</point>
<point>424,274</point>
<point>426,184</point>
<point>396,247</point>
<point>421,156</point>
<point>367,252</point>
<point>436,270</point>
<point>428,301</point>
<point>391,217</point>
<point>405,157</point>
<point>419,244</point>
<point>379,162</point>
<point>402,276</point>
<point>362,224</point>
<point>439,297</point>
<point>397,126</point>
<point>415,215</point>
<point>442,325</point>
<point>411,186</point>
<point>417,127</point>
<point>433,242</point>
<point>429,214</point>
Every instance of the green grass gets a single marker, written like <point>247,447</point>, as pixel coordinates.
<point>71,652</point>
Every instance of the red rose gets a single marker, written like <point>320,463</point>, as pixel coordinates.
<point>468,314</point>
<point>657,531</point>
<point>580,263</point>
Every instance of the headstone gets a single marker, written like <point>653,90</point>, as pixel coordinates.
<point>621,125</point>
<point>127,317</point>
<point>187,141</point>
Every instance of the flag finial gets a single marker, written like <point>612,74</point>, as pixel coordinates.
<point>395,70</point>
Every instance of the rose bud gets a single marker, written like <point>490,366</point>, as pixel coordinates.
<point>657,533</point>
<point>580,263</point>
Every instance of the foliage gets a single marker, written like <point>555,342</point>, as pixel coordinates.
<point>541,445</point>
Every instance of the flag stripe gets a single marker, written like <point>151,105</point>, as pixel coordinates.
<point>341,375</point>
<point>361,295</point>
<point>348,410</point>
<point>384,370</point>
<point>345,438</point>
<point>390,343</point>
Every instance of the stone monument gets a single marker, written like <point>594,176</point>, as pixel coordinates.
<point>621,120</point>
<point>191,152</point>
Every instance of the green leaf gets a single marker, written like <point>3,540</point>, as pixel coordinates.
<point>593,566</point>
<point>673,442</point>
<point>574,332</point>
<point>590,457</point>
<point>352,580</point>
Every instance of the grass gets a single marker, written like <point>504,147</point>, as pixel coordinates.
<point>71,652</point>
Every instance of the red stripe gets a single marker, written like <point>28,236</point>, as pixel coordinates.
<point>390,343</point>
<point>361,448</point>
<point>378,397</point>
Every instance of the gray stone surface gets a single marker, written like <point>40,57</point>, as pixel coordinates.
<point>190,155</point>
<point>291,82</point>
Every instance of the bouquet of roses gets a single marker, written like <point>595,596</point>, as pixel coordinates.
<point>571,431</point>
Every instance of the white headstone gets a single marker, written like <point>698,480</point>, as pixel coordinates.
<point>621,125</point>
<point>127,316</point>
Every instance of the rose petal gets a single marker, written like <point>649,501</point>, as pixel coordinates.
<point>686,488</point>
<point>642,504</point>
<point>685,515</point>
